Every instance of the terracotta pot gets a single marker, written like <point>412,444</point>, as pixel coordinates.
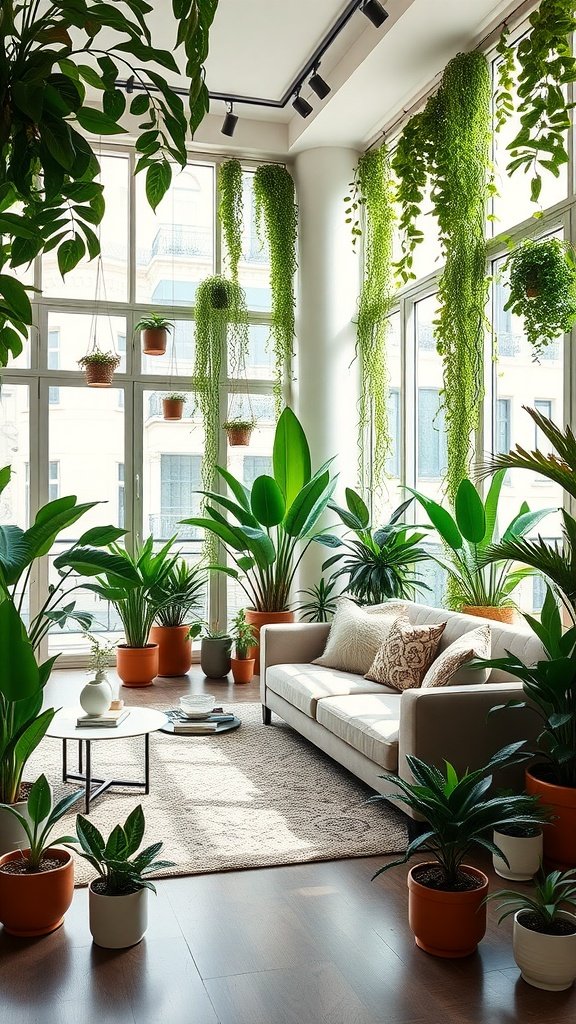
<point>560,835</point>
<point>546,961</point>
<point>172,408</point>
<point>258,619</point>
<point>239,436</point>
<point>506,615</point>
<point>137,666</point>
<point>242,669</point>
<point>117,922</point>
<point>35,904</point>
<point>524,855</point>
<point>154,341</point>
<point>99,375</point>
<point>447,924</point>
<point>532,291</point>
<point>215,656</point>
<point>174,649</point>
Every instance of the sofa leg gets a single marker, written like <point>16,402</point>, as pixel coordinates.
<point>266,715</point>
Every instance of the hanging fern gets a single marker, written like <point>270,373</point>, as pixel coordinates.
<point>276,210</point>
<point>374,189</point>
<point>231,211</point>
<point>461,186</point>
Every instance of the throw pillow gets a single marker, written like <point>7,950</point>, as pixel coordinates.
<point>355,636</point>
<point>406,654</point>
<point>475,644</point>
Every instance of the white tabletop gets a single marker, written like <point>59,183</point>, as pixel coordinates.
<point>138,723</point>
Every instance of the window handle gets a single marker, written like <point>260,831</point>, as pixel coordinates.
<point>137,482</point>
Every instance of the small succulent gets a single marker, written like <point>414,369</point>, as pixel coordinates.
<point>153,321</point>
<point>99,358</point>
<point>175,396</point>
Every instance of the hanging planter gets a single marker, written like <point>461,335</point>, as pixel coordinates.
<point>173,406</point>
<point>154,330</point>
<point>239,432</point>
<point>542,279</point>
<point>99,368</point>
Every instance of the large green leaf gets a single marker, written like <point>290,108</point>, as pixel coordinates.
<point>35,732</point>
<point>5,474</point>
<point>51,520</point>
<point>491,507</point>
<point>525,522</point>
<point>470,515</point>
<point>19,678</point>
<point>441,520</point>
<point>298,515</point>
<point>358,508</point>
<point>230,535</point>
<point>92,562</point>
<point>39,800</point>
<point>290,456</point>
<point>100,536</point>
<point>15,553</point>
<point>259,545</point>
<point>240,492</point>
<point>267,500</point>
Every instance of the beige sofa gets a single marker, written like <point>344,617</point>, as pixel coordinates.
<point>368,727</point>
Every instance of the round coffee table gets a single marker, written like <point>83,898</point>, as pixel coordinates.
<point>140,722</point>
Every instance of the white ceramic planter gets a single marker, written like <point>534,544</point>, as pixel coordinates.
<point>524,854</point>
<point>96,696</point>
<point>546,961</point>
<point>12,835</point>
<point>117,922</point>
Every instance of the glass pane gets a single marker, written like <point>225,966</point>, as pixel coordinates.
<point>254,268</point>
<point>260,361</point>
<point>392,493</point>
<point>178,360</point>
<point>15,452</point>
<point>70,336</point>
<point>94,471</point>
<point>175,245</point>
<point>431,435</point>
<point>80,283</point>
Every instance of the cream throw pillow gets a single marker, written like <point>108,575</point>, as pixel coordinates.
<point>355,636</point>
<point>406,654</point>
<point>475,644</point>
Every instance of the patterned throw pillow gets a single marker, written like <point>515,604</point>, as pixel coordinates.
<point>355,636</point>
<point>406,654</point>
<point>475,644</point>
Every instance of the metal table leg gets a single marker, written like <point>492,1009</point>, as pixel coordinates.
<point>147,763</point>
<point>86,777</point>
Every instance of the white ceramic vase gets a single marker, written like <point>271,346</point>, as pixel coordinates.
<point>96,696</point>
<point>524,855</point>
<point>117,922</point>
<point>546,961</point>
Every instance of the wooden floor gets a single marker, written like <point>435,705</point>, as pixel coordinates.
<point>308,944</point>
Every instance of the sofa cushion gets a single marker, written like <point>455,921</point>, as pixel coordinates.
<point>406,654</point>
<point>304,685</point>
<point>356,634</point>
<point>369,722</point>
<point>445,670</point>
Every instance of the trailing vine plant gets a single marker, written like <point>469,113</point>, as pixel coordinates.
<point>277,212</point>
<point>373,189</point>
<point>411,165</point>
<point>505,81</point>
<point>231,211</point>
<point>542,279</point>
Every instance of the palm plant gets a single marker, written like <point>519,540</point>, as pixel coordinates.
<point>469,534</point>
<point>180,592</point>
<point>379,564</point>
<point>459,813</point>
<point>554,893</point>
<point>322,601</point>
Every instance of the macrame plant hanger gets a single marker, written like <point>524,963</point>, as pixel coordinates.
<point>173,407</point>
<point>240,419</point>
<point>100,372</point>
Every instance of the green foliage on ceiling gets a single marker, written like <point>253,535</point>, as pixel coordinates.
<point>231,211</point>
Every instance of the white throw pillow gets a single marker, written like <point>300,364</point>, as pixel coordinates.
<point>356,634</point>
<point>474,644</point>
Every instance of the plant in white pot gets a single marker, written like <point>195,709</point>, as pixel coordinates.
<point>544,936</point>
<point>97,695</point>
<point>523,848</point>
<point>118,898</point>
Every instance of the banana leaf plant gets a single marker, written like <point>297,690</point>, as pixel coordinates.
<point>379,564</point>
<point>20,549</point>
<point>269,527</point>
<point>468,534</point>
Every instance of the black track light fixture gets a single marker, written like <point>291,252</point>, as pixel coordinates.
<point>301,106</point>
<point>230,121</point>
<point>318,85</point>
<point>130,84</point>
<point>374,12</point>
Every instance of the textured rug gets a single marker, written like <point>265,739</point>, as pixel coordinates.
<point>256,797</point>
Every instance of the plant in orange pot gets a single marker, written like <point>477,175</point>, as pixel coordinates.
<point>37,884</point>
<point>155,330</point>
<point>180,593</point>
<point>245,640</point>
<point>446,906</point>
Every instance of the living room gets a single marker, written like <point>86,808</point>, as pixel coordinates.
<point>287,486</point>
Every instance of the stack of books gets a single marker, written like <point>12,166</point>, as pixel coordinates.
<point>108,720</point>
<point>198,726</point>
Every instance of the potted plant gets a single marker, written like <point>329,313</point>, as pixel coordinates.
<point>179,593</point>
<point>523,848</point>
<point>118,898</point>
<point>37,884</point>
<point>173,405</point>
<point>272,523</point>
<point>446,907</point>
<point>239,432</point>
<point>215,651</point>
<point>544,936</point>
<point>480,589</point>
<point>322,601</point>
<point>99,368</point>
<point>542,280</point>
<point>155,330</point>
<point>245,640</point>
<point>137,604</point>
<point>379,564</point>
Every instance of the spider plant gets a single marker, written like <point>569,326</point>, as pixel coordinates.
<point>322,603</point>
<point>179,592</point>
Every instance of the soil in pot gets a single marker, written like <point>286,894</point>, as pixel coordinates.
<point>34,903</point>
<point>137,666</point>
<point>560,834</point>
<point>447,923</point>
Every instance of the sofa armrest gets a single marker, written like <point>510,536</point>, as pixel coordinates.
<point>291,643</point>
<point>452,724</point>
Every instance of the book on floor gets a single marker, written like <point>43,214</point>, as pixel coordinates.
<point>184,728</point>
<point>109,719</point>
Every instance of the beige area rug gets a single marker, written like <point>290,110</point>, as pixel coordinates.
<point>256,797</point>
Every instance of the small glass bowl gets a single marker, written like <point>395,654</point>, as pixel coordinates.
<point>197,705</point>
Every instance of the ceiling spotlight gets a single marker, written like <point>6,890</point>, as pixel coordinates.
<point>230,121</point>
<point>319,86</point>
<point>374,12</point>
<point>130,84</point>
<point>301,106</point>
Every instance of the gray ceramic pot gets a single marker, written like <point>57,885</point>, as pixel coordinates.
<point>215,656</point>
